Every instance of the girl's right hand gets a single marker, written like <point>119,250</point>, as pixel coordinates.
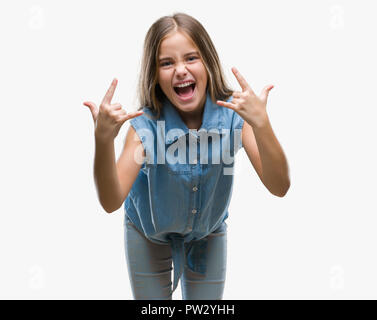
<point>109,117</point>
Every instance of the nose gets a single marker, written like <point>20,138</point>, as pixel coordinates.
<point>181,68</point>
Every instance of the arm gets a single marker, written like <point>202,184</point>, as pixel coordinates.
<point>114,180</point>
<point>259,141</point>
<point>267,157</point>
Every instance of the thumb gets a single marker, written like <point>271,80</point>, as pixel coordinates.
<point>93,109</point>
<point>266,90</point>
<point>129,116</point>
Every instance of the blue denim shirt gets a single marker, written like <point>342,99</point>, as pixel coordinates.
<point>181,203</point>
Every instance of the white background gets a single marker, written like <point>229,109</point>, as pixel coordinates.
<point>319,241</point>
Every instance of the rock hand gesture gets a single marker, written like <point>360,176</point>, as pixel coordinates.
<point>109,118</point>
<point>247,104</point>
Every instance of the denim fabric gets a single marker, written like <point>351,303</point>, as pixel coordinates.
<point>177,203</point>
<point>150,265</point>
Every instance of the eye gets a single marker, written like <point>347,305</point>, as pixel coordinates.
<point>192,57</point>
<point>164,64</point>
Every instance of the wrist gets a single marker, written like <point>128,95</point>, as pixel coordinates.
<point>260,121</point>
<point>102,139</point>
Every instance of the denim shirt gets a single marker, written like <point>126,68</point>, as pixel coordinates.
<point>181,203</point>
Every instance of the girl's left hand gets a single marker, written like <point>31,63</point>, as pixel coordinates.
<point>247,104</point>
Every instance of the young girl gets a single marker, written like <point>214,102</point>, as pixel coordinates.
<point>175,182</point>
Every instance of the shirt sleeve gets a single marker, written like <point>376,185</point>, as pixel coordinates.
<point>145,130</point>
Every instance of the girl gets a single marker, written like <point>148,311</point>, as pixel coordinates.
<point>176,199</point>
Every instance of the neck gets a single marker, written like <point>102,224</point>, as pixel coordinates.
<point>193,120</point>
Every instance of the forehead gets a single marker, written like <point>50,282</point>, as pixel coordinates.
<point>176,42</point>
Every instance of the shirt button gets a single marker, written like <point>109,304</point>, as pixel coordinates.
<point>195,189</point>
<point>193,211</point>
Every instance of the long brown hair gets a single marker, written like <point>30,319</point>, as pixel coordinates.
<point>149,91</point>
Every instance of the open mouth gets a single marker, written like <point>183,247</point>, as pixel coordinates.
<point>185,93</point>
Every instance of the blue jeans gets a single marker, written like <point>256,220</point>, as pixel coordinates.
<point>150,267</point>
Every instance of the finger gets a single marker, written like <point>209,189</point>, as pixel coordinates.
<point>236,94</point>
<point>92,107</point>
<point>131,115</point>
<point>226,104</point>
<point>116,106</point>
<point>236,101</point>
<point>110,92</point>
<point>266,90</point>
<point>119,113</point>
<point>241,80</point>
<point>90,104</point>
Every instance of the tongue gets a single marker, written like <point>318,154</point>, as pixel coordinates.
<point>185,92</point>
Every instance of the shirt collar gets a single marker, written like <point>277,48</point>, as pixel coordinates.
<point>212,118</point>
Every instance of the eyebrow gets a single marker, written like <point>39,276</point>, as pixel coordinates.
<point>187,54</point>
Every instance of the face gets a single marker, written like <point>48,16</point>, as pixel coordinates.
<point>179,64</point>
